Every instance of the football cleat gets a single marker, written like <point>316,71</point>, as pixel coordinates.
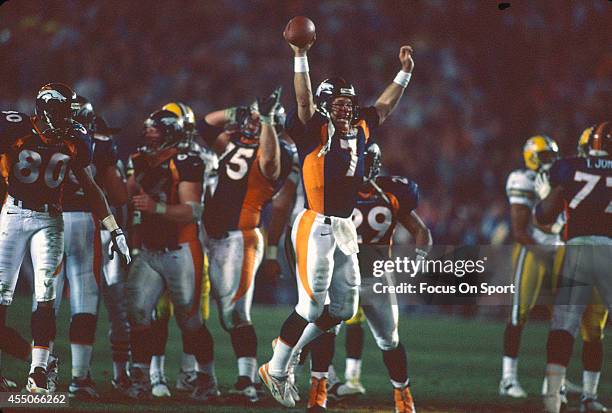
<point>591,405</point>
<point>293,368</point>
<point>121,385</point>
<point>82,389</point>
<point>351,388</point>
<point>37,381</point>
<point>512,388</point>
<point>140,388</point>
<point>404,403</point>
<point>317,398</point>
<point>245,389</point>
<point>205,388</point>
<point>185,380</point>
<point>7,385</point>
<point>280,388</point>
<point>52,373</point>
<point>572,388</point>
<point>159,386</point>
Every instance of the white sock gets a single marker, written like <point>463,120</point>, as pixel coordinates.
<point>399,385</point>
<point>51,347</point>
<point>157,366</point>
<point>247,366</point>
<point>188,362</point>
<point>333,377</point>
<point>509,367</point>
<point>278,364</point>
<point>119,369</point>
<point>590,382</point>
<point>319,374</point>
<point>555,375</point>
<point>352,371</point>
<point>208,368</point>
<point>40,357</point>
<point>81,359</point>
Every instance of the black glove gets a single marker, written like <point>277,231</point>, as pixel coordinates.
<point>119,245</point>
<point>268,106</point>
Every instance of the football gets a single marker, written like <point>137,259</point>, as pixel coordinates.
<point>300,31</point>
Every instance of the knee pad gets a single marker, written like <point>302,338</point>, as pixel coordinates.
<point>43,325</point>
<point>83,328</point>
<point>187,320</point>
<point>389,341</point>
<point>310,311</point>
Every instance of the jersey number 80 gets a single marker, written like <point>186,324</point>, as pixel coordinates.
<point>27,170</point>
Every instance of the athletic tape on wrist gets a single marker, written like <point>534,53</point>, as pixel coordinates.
<point>110,223</point>
<point>402,78</point>
<point>300,64</point>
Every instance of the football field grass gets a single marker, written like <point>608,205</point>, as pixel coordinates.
<point>454,365</point>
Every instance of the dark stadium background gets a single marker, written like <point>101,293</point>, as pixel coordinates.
<point>485,80</point>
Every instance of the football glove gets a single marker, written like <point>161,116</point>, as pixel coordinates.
<point>237,115</point>
<point>270,105</point>
<point>542,185</point>
<point>119,245</point>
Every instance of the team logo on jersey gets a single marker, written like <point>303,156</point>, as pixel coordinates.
<point>48,95</point>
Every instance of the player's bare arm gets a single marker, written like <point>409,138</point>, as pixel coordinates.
<point>188,210</point>
<point>417,228</point>
<point>520,216</point>
<point>269,155</point>
<point>549,208</point>
<point>301,83</point>
<point>115,186</point>
<point>389,99</point>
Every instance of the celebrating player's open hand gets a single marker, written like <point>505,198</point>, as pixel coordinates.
<point>269,105</point>
<point>143,202</point>
<point>405,57</point>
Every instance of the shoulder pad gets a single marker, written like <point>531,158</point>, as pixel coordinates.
<point>522,180</point>
<point>404,189</point>
<point>102,138</point>
<point>13,125</point>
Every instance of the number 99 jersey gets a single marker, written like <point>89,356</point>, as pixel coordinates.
<point>36,165</point>
<point>376,217</point>
<point>587,194</point>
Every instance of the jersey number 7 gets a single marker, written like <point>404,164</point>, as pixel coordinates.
<point>591,181</point>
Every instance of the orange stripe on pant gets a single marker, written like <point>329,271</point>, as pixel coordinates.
<point>249,250</point>
<point>302,238</point>
<point>198,264</point>
<point>97,258</point>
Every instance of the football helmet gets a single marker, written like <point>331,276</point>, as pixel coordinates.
<point>85,114</point>
<point>596,141</point>
<point>56,104</point>
<point>168,129</point>
<point>372,162</point>
<point>334,87</point>
<point>540,152</point>
<point>184,113</point>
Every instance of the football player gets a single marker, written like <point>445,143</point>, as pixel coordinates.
<point>163,310</point>
<point>582,188</point>
<point>165,185</point>
<point>111,177</point>
<point>331,139</point>
<point>39,152</point>
<point>253,165</point>
<point>532,267</point>
<point>382,203</point>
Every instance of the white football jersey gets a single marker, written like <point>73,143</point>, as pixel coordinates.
<point>520,189</point>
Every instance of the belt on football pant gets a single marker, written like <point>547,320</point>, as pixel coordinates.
<point>35,207</point>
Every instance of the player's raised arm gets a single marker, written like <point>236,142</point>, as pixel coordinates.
<point>301,83</point>
<point>269,161</point>
<point>389,99</point>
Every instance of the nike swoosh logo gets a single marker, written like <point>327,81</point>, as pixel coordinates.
<point>329,233</point>
<point>12,213</point>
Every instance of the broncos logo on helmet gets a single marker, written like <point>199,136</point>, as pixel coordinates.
<point>55,104</point>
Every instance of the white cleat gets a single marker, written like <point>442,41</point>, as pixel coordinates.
<point>185,380</point>
<point>159,386</point>
<point>351,388</point>
<point>280,388</point>
<point>591,405</point>
<point>512,388</point>
<point>572,388</point>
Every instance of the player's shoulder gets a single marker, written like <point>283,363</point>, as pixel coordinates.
<point>521,179</point>
<point>194,153</point>
<point>400,186</point>
<point>14,124</point>
<point>563,169</point>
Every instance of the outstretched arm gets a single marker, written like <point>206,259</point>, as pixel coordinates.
<point>389,99</point>
<point>417,228</point>
<point>301,83</point>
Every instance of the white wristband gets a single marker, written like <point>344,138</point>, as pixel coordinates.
<point>110,223</point>
<point>402,78</point>
<point>300,64</point>
<point>272,252</point>
<point>160,208</point>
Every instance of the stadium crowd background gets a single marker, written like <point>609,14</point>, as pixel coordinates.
<point>484,81</point>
